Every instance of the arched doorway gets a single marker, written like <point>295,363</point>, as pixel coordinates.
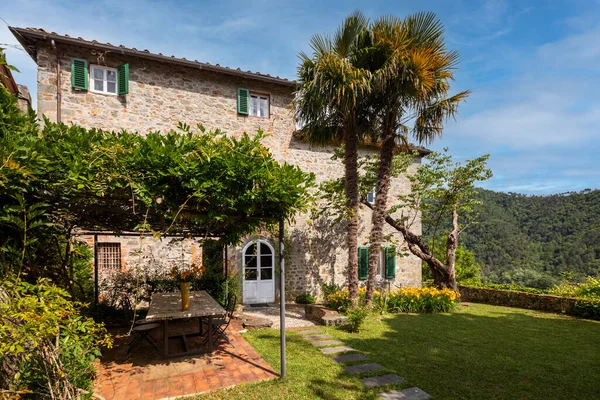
<point>258,257</point>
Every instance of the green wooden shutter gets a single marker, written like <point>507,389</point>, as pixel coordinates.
<point>79,73</point>
<point>243,100</point>
<point>363,263</point>
<point>390,262</point>
<point>123,79</point>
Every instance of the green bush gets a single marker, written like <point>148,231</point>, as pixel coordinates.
<point>306,298</point>
<point>587,309</point>
<point>356,317</point>
<point>45,343</point>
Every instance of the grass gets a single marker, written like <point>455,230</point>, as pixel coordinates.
<point>477,352</point>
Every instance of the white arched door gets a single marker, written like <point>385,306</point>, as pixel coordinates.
<point>259,275</point>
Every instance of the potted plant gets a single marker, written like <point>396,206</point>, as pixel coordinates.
<point>185,276</point>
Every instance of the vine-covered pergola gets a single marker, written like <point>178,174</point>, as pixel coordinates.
<point>189,183</point>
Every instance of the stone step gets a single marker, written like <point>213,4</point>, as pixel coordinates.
<point>362,368</point>
<point>413,393</point>
<point>333,350</point>
<point>337,320</point>
<point>325,343</point>
<point>344,358</point>
<point>322,336</point>
<point>381,380</point>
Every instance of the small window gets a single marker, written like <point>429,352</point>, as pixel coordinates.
<point>259,105</point>
<point>371,196</point>
<point>109,257</point>
<point>103,79</point>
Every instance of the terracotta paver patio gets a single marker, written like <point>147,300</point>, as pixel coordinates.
<point>147,375</point>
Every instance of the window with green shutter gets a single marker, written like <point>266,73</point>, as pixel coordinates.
<point>123,79</point>
<point>390,262</point>
<point>79,74</point>
<point>363,263</point>
<point>243,97</point>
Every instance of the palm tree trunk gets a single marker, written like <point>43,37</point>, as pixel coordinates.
<point>352,204</point>
<point>379,210</point>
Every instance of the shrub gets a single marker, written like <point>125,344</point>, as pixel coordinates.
<point>587,309</point>
<point>421,300</point>
<point>356,317</point>
<point>306,298</point>
<point>46,345</point>
<point>339,300</point>
<point>327,289</point>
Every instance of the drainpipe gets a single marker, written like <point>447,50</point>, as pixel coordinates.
<point>58,90</point>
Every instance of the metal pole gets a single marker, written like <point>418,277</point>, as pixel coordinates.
<point>226,274</point>
<point>96,274</point>
<point>282,296</point>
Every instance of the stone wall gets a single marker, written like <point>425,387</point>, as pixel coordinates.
<point>542,302</point>
<point>161,95</point>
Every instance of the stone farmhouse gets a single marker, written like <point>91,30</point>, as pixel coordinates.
<point>113,87</point>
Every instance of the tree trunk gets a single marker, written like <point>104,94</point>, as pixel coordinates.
<point>443,275</point>
<point>379,210</point>
<point>451,245</point>
<point>352,204</point>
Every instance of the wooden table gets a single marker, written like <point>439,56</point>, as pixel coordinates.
<point>166,307</point>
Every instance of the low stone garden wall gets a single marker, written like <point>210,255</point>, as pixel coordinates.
<point>532,301</point>
<point>544,302</point>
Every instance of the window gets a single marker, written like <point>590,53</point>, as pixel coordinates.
<point>103,79</point>
<point>259,260</point>
<point>371,196</point>
<point>259,105</point>
<point>109,257</point>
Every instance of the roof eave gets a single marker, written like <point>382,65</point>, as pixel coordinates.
<point>23,34</point>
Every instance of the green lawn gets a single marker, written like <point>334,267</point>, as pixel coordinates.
<point>477,352</point>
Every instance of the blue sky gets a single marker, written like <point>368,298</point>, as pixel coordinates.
<point>533,66</point>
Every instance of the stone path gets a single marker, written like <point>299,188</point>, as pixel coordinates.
<point>318,338</point>
<point>295,316</point>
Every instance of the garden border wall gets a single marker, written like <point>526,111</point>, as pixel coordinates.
<point>509,298</point>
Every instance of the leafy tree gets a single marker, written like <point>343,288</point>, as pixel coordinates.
<point>330,102</point>
<point>411,85</point>
<point>441,190</point>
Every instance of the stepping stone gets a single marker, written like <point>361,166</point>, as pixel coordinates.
<point>323,343</point>
<point>361,368</point>
<point>318,337</point>
<point>413,393</point>
<point>333,350</point>
<point>344,358</point>
<point>381,380</point>
<point>309,332</point>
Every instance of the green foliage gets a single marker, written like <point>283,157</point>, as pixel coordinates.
<point>466,268</point>
<point>306,298</point>
<point>327,289</point>
<point>356,317</point>
<point>536,240</point>
<point>587,309</point>
<point>442,185</point>
<point>45,343</point>
<point>413,300</point>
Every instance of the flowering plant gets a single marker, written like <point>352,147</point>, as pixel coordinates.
<point>414,300</point>
<point>186,274</point>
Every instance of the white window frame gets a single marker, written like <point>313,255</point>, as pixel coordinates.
<point>255,96</point>
<point>104,70</point>
<point>374,195</point>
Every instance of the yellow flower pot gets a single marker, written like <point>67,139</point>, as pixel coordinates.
<point>185,295</point>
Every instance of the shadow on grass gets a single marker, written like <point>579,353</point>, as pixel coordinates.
<point>486,352</point>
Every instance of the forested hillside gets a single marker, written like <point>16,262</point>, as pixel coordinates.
<point>536,240</point>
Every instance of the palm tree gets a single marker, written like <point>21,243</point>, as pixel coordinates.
<point>411,84</point>
<point>330,104</point>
